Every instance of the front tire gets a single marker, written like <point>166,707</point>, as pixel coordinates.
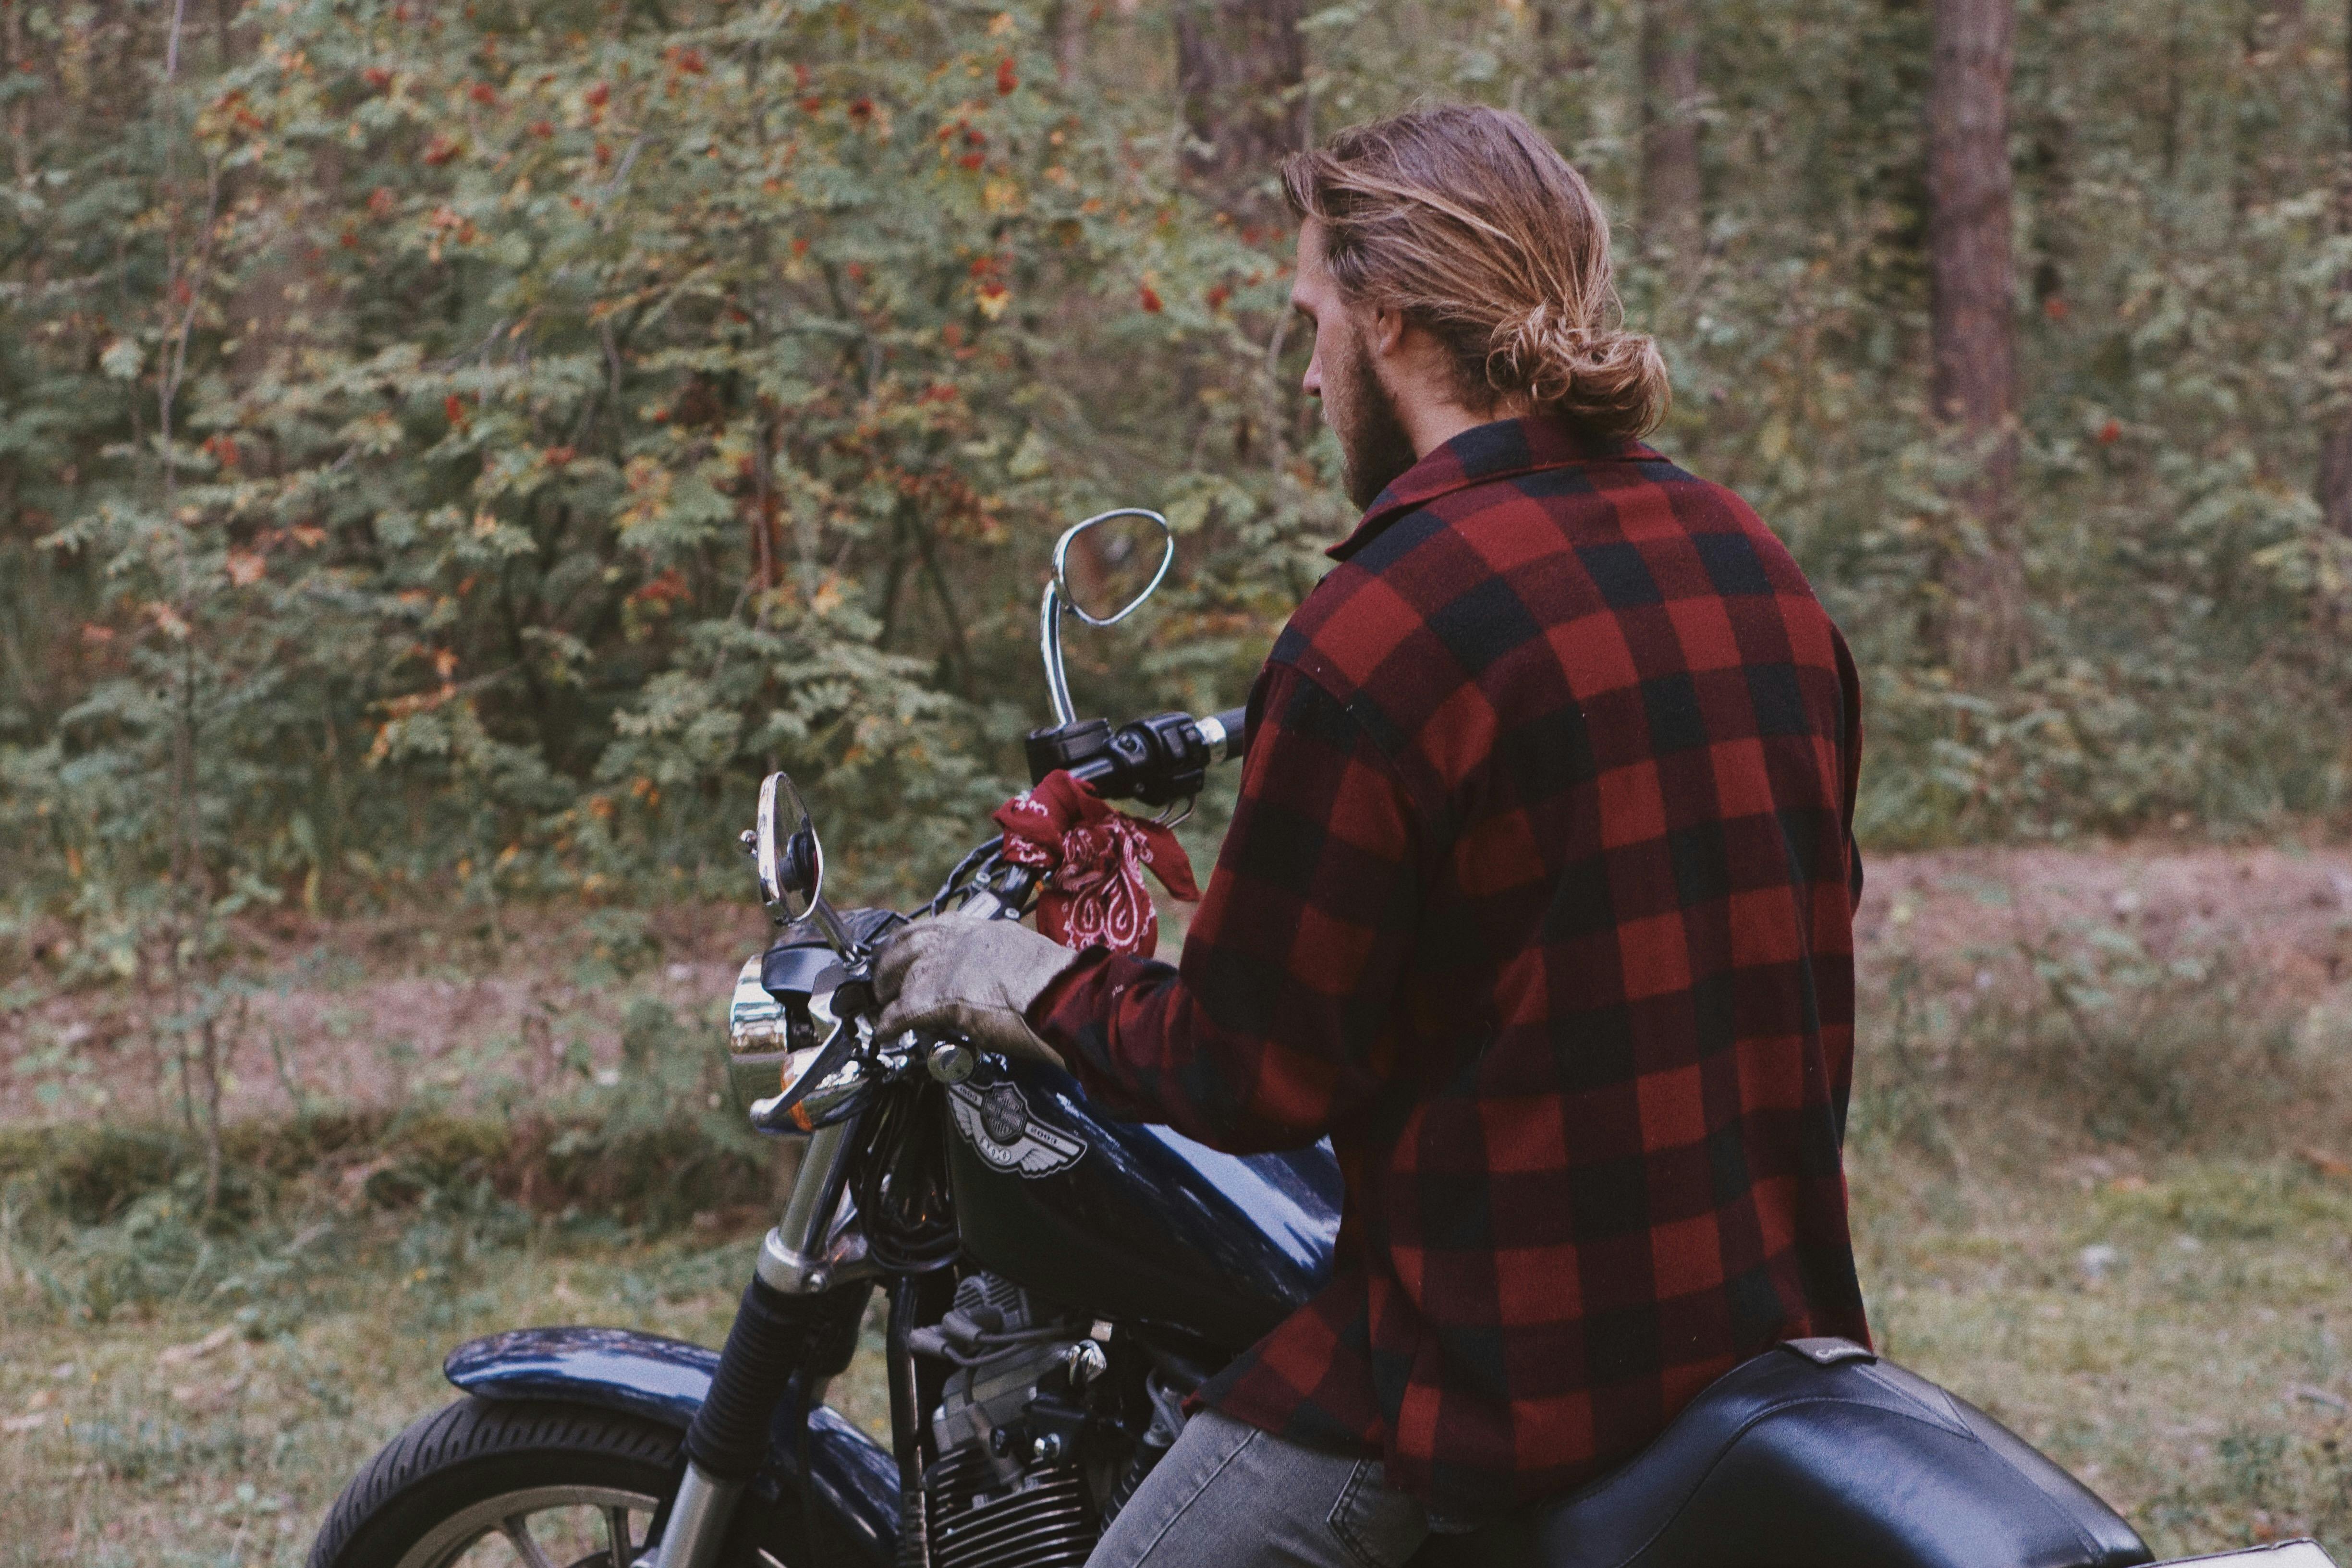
<point>565,1486</point>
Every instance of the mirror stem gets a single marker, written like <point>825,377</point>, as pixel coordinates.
<point>835,933</point>
<point>1049,644</point>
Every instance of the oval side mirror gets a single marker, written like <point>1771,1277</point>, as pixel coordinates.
<point>1120,548</point>
<point>791,860</point>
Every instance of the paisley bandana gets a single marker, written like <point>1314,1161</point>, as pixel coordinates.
<point>1092,860</point>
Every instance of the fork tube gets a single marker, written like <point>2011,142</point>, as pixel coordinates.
<point>791,1257</point>
<point>698,1516</point>
<point>781,1310</point>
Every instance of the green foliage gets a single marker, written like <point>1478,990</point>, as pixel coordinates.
<point>508,435</point>
<point>456,450</point>
<point>123,1216</point>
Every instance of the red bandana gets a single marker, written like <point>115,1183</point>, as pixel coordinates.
<point>1093,859</point>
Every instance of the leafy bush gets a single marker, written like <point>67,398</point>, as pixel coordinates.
<point>107,1217</point>
<point>2087,1029</point>
<point>456,450</point>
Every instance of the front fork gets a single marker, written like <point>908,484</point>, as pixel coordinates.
<point>783,1317</point>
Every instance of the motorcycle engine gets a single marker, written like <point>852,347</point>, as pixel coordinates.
<point>1011,1487</point>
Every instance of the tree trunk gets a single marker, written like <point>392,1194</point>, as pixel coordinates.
<point>2335,446</point>
<point>1070,20</point>
<point>13,60</point>
<point>1240,65</point>
<point>1970,297</point>
<point>1673,222</point>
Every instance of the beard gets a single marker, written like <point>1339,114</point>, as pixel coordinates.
<point>1374,449</point>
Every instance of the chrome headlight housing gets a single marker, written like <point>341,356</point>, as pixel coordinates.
<point>770,1041</point>
<point>780,1025</point>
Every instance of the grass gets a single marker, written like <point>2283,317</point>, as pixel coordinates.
<point>2090,1156</point>
<point>216,1427</point>
<point>2176,1335</point>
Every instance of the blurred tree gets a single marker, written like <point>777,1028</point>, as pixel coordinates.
<point>1070,20</point>
<point>14,66</point>
<point>584,409</point>
<point>1973,385</point>
<point>1673,217</point>
<point>1241,68</point>
<point>2335,448</point>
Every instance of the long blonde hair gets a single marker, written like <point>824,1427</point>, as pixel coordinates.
<point>1473,226</point>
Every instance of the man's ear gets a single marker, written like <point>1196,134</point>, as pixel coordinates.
<point>1387,334</point>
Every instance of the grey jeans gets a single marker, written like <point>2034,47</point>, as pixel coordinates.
<point>1230,1496</point>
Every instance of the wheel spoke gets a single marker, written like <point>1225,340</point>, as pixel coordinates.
<point>617,1526</point>
<point>517,1530</point>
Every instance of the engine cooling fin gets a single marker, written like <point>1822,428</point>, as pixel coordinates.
<point>1045,1523</point>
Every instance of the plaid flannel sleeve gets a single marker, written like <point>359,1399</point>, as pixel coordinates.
<point>1274,1030</point>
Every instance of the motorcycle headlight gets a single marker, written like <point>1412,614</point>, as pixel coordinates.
<point>756,1021</point>
<point>772,1039</point>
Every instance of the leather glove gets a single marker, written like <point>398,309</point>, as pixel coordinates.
<point>972,976</point>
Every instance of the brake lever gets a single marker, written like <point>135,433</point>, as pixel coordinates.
<point>782,1113</point>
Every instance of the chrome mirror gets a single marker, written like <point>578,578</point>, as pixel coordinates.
<point>791,863</point>
<point>1121,546</point>
<point>790,860</point>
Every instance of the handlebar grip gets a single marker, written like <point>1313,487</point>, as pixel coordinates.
<point>1156,760</point>
<point>1227,734</point>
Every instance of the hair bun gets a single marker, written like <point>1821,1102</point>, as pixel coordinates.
<point>1605,377</point>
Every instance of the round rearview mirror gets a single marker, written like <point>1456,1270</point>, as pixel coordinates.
<point>1105,568</point>
<point>791,861</point>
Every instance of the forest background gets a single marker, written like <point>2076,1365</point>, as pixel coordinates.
<point>452,450</point>
<point>449,449</point>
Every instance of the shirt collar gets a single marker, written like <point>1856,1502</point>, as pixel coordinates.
<point>1483,451</point>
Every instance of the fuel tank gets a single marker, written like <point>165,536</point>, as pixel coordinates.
<point>1133,1222</point>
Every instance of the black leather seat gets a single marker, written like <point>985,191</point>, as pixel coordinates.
<point>1818,1455</point>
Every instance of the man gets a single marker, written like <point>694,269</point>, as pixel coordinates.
<point>1537,901</point>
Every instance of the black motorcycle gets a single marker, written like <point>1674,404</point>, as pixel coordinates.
<point>1059,1282</point>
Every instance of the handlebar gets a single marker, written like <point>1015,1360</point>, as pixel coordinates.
<point>1156,760</point>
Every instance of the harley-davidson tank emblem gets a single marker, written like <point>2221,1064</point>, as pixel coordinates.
<point>996,1122</point>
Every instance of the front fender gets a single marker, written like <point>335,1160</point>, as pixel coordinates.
<point>853,1478</point>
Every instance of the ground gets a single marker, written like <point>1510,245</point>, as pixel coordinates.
<point>2092,1156</point>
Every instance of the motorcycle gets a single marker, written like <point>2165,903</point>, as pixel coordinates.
<point>1059,1282</point>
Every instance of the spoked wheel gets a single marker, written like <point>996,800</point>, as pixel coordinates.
<point>543,1527</point>
<point>483,1483</point>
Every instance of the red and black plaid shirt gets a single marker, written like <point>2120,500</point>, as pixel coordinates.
<point>1538,901</point>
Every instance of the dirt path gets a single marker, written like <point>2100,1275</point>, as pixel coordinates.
<point>371,1012</point>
